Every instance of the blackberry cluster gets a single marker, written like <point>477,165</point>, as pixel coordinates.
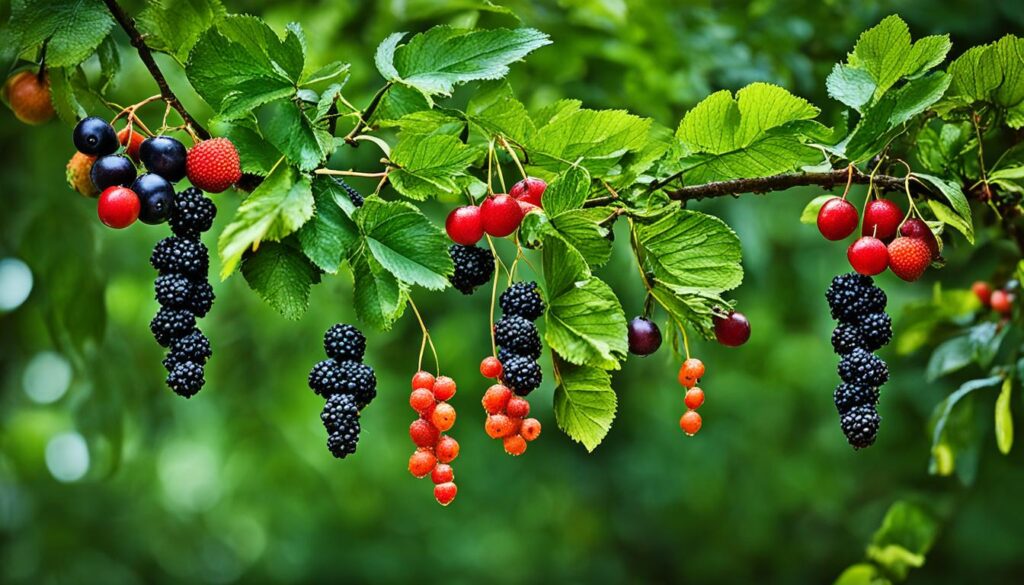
<point>474,266</point>
<point>517,338</point>
<point>863,328</point>
<point>347,383</point>
<point>183,291</point>
<point>354,196</point>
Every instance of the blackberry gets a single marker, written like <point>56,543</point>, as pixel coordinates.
<point>178,255</point>
<point>852,295</point>
<point>474,266</point>
<point>344,342</point>
<point>170,324</point>
<point>521,374</point>
<point>355,196</point>
<point>173,290</point>
<point>193,213</point>
<point>186,378</point>
<point>340,413</point>
<point>518,335</point>
<point>849,396</point>
<point>876,328</point>
<point>194,347</point>
<point>343,443</point>
<point>357,379</point>
<point>324,378</point>
<point>863,367</point>
<point>505,354</point>
<point>523,299</point>
<point>846,338</point>
<point>202,298</point>
<point>860,425</point>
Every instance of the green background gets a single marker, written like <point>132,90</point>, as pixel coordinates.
<point>236,485</point>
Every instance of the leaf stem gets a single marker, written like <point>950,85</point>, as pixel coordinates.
<point>366,115</point>
<point>349,173</point>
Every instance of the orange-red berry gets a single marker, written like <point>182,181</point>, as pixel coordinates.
<point>690,422</point>
<point>444,493</point>
<point>447,449</point>
<point>421,400</point>
<point>213,165</point>
<point>497,426</point>
<point>444,388</point>
<point>515,445</point>
<point>530,429</point>
<point>490,367</point>
<point>517,407</point>
<point>422,462</point>
<point>983,291</point>
<point>443,473</point>
<point>443,416</point>
<point>423,433</point>
<point>423,380</point>
<point>496,399</point>
<point>694,398</point>
<point>1002,301</point>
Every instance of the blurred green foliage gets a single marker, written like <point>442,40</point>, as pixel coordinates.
<point>235,485</point>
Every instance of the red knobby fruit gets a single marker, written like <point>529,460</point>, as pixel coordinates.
<point>916,228</point>
<point>691,371</point>
<point>517,407</point>
<point>496,399</point>
<point>443,416</point>
<point>423,433</point>
<point>515,445</point>
<point>421,400</point>
<point>443,473</point>
<point>78,176</point>
<point>868,256</point>
<point>909,258</point>
<point>447,449</point>
<point>422,462</point>
<point>444,388</point>
<point>837,219</point>
<point>444,493</point>
<point>423,379</point>
<point>530,429</point>
<point>213,165</point>
<point>490,367</point>
<point>1002,301</point>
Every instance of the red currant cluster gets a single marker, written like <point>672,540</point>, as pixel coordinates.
<point>999,300</point>
<point>908,254</point>
<point>689,374</point>
<point>434,451</point>
<point>499,215</point>
<point>506,412</point>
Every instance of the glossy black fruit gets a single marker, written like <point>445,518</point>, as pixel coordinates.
<point>164,156</point>
<point>156,196</point>
<point>644,336</point>
<point>95,136</point>
<point>112,170</point>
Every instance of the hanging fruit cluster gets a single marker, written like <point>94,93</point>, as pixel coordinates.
<point>347,383</point>
<point>435,450</point>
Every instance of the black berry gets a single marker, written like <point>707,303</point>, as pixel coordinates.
<point>95,136</point>
<point>173,290</point>
<point>340,413</point>
<point>358,380</point>
<point>202,298</point>
<point>860,425</point>
<point>848,396</point>
<point>186,378</point>
<point>179,255</point>
<point>518,335</point>
<point>324,378</point>
<point>194,347</point>
<point>170,324</point>
<point>355,196</point>
<point>344,342</point>
<point>156,196</point>
<point>876,328</point>
<point>522,374</point>
<point>193,213</point>
<point>164,156</point>
<point>111,170</point>
<point>852,295</point>
<point>862,367</point>
<point>846,338</point>
<point>523,299</point>
<point>644,336</point>
<point>473,267</point>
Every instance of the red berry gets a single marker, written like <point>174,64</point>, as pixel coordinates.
<point>515,445</point>
<point>443,416</point>
<point>881,219</point>
<point>465,225</point>
<point>118,207</point>
<point>1002,301</point>
<point>490,367</point>
<point>213,165</point>
<point>444,388</point>
<point>691,371</point>
<point>422,462</point>
<point>694,398</point>
<point>916,228</point>
<point>498,426</point>
<point>837,219</point>
<point>421,400</point>
<point>423,433</point>
<point>732,330</point>
<point>501,215</point>
<point>527,208</point>
<point>868,256</point>
<point>131,139</point>
<point>447,449</point>
<point>529,190</point>
<point>983,291</point>
<point>445,493</point>
<point>690,422</point>
<point>909,258</point>
<point>78,174</point>
<point>496,398</point>
<point>443,473</point>
<point>423,380</point>
<point>517,407</point>
<point>530,429</point>
<point>28,96</point>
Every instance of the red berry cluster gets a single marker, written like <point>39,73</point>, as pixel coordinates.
<point>689,374</point>
<point>499,215</point>
<point>999,300</point>
<point>905,246</point>
<point>506,413</point>
<point>434,450</point>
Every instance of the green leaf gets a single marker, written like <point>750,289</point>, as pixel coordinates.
<point>952,355</point>
<point>946,406</point>
<point>586,325</point>
<point>905,536</point>
<point>567,192</point>
<point>949,217</point>
<point>405,242</point>
<point>329,237</point>
<point>991,74</point>
<point>282,276</point>
<point>810,213</point>
<point>305,144</point>
<point>687,305</point>
<point>494,109</point>
<point>242,64</point>
<point>927,53</point>
<point>71,30</point>
<point>884,52</point>
<point>426,123</point>
<point>278,207</point>
<point>564,267</point>
<point>62,94</point>
<point>174,26</point>
<point>581,230</point>
<point>437,60</point>
<point>860,574</point>
<point>378,296</point>
<point>429,165</point>
<point>256,155</point>
<point>329,72</point>
<point>594,139</point>
<point>692,249</point>
<point>110,62</point>
<point>584,403</point>
<point>1004,418</point>
<point>851,86</point>
<point>399,101</point>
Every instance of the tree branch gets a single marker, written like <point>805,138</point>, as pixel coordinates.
<point>128,24</point>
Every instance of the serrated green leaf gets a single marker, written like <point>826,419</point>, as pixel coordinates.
<point>494,109</point>
<point>330,236</point>
<point>883,51</point>
<point>277,208</point>
<point>426,123</point>
<point>593,139</point>
<point>71,30</point>
<point>282,276</point>
<point>584,403</point>
<point>335,70</point>
<point>581,230</point>
<point>110,62</point>
<point>810,213</point>
<point>437,60</point>
<point>689,306</point>
<point>851,86</point>
<point>564,267</point>
<point>174,26</point>
<point>304,143</point>
<point>992,74</point>
<point>927,53</point>
<point>256,155</point>
<point>1004,418</point>
<point>242,64</point>
<point>692,249</point>
<point>952,191</point>
<point>399,101</point>
<point>429,165</point>
<point>378,296</point>
<point>949,217</point>
<point>567,192</point>
<point>62,95</point>
<point>405,242</point>
<point>586,325</point>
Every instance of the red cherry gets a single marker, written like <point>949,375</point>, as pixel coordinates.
<point>1002,302</point>
<point>444,493</point>
<point>837,219</point>
<point>501,215</point>
<point>868,256</point>
<point>527,208</point>
<point>690,422</point>
<point>529,190</point>
<point>118,207</point>
<point>916,228</point>
<point>464,225</point>
<point>884,215</point>
<point>694,398</point>
<point>732,330</point>
<point>983,291</point>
